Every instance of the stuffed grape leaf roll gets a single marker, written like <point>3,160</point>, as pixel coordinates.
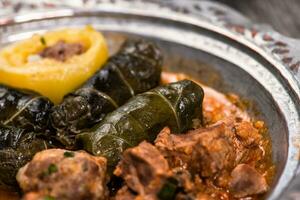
<point>142,117</point>
<point>17,147</point>
<point>136,68</point>
<point>24,109</point>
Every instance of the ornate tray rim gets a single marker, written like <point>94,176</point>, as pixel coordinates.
<point>281,51</point>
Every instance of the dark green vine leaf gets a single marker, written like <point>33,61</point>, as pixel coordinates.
<point>136,68</point>
<point>10,136</point>
<point>24,109</point>
<point>141,118</point>
<point>17,147</point>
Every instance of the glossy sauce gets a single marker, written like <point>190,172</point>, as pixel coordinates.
<point>216,106</point>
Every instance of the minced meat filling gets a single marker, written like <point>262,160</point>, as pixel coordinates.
<point>64,175</point>
<point>61,50</point>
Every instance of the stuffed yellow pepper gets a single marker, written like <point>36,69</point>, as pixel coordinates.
<point>54,63</point>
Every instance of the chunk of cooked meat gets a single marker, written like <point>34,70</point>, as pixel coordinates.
<point>144,169</point>
<point>61,50</point>
<point>247,133</point>
<point>213,153</point>
<point>125,194</point>
<point>158,180</point>
<point>35,196</point>
<point>148,176</point>
<point>199,196</point>
<point>247,181</point>
<point>195,165</point>
<point>210,150</point>
<point>203,151</point>
<point>64,174</point>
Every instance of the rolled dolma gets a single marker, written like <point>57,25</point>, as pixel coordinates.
<point>17,147</point>
<point>136,68</point>
<point>24,109</point>
<point>174,105</point>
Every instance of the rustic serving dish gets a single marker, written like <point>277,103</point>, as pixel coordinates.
<point>210,42</point>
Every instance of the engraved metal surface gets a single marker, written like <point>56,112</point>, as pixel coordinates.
<point>200,38</point>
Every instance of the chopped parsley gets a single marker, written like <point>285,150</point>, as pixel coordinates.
<point>52,169</point>
<point>43,41</point>
<point>49,198</point>
<point>168,190</point>
<point>69,154</point>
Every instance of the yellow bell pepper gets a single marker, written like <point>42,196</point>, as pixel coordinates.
<point>50,77</point>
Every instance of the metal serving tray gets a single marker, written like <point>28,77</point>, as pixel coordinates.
<point>206,40</point>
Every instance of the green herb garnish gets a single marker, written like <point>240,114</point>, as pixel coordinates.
<point>168,190</point>
<point>49,198</point>
<point>52,169</point>
<point>43,41</point>
<point>69,154</point>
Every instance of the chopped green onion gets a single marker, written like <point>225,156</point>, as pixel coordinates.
<point>43,41</point>
<point>168,190</point>
<point>49,198</point>
<point>69,154</point>
<point>52,169</point>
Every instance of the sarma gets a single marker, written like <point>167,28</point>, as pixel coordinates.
<point>174,105</point>
<point>17,147</point>
<point>136,68</point>
<point>24,109</point>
